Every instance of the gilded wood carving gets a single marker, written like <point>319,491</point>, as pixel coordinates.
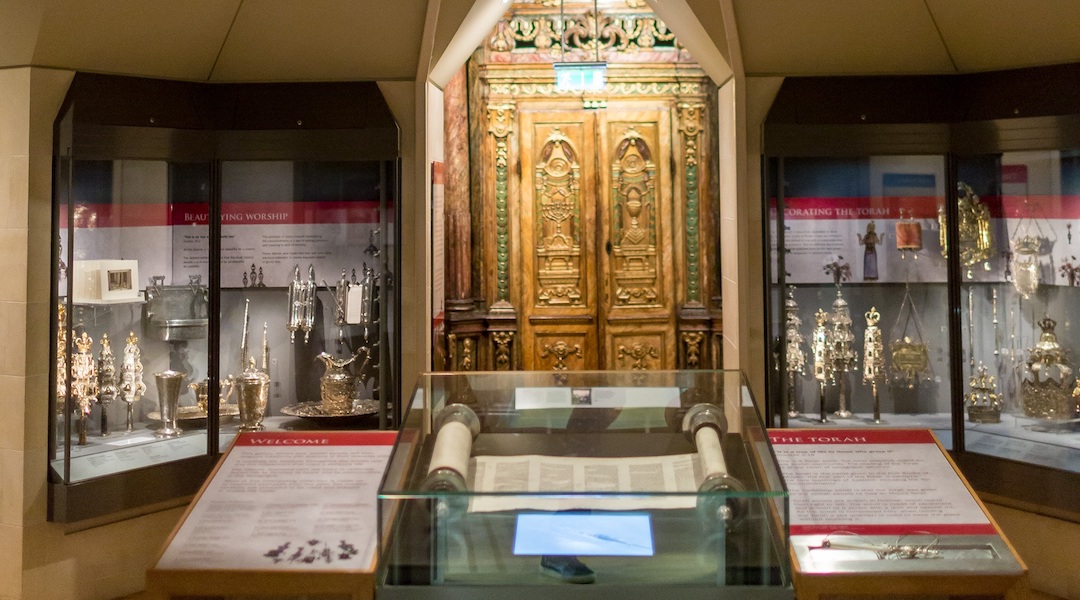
<point>558,223</point>
<point>633,207</point>
<point>592,226</point>
<point>500,125</point>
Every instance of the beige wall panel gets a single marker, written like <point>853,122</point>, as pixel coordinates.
<point>14,112</point>
<point>13,190</point>
<point>178,40</point>
<point>839,37</point>
<point>322,40</point>
<point>12,428</point>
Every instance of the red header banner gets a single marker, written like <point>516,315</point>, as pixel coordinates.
<point>298,439</point>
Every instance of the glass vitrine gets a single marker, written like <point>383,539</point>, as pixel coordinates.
<point>946,218</point>
<point>639,483</point>
<point>216,270</point>
<point>859,292</point>
<point>305,305</point>
<point>1019,310</point>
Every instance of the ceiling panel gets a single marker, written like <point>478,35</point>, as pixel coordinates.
<point>177,40</point>
<point>286,40</point>
<point>830,37</point>
<point>987,35</point>
<point>19,23</point>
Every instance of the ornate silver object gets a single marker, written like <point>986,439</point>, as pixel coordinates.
<point>341,298</point>
<point>873,357</point>
<point>169,383</point>
<point>177,312</point>
<point>61,358</point>
<point>794,356</point>
<point>252,386</point>
<point>910,356</point>
<point>365,312</point>
<point>823,363</point>
<point>337,385</point>
<point>131,377</point>
<point>844,356</point>
<point>976,241</point>
<point>1025,264</point>
<point>107,389</point>
<point>301,304</point>
<point>84,381</point>
<point>1045,390</point>
<point>983,402</point>
<point>1029,242</point>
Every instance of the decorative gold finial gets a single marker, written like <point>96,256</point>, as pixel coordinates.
<point>872,316</point>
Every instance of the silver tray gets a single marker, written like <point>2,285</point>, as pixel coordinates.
<point>186,414</point>
<point>314,411</point>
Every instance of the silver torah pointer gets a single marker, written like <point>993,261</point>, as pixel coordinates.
<point>244,336</point>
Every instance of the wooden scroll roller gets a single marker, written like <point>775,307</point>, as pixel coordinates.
<point>455,428</point>
<point>705,425</point>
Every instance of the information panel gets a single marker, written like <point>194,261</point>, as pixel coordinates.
<point>884,482</point>
<point>287,501</point>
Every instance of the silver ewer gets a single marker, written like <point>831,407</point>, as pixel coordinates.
<point>169,383</point>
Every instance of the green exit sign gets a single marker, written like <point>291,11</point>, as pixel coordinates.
<point>580,76</point>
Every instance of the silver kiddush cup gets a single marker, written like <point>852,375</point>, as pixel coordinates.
<point>252,389</point>
<point>168,388</point>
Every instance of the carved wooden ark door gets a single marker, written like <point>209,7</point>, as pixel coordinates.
<point>593,240</point>
<point>596,246</point>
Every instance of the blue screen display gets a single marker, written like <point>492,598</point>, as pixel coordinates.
<point>584,534</point>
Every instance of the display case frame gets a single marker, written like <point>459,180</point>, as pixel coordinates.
<point>127,121</point>
<point>430,514</point>
<point>957,119</point>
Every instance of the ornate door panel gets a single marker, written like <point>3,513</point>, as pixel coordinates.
<point>638,299</point>
<point>558,240</point>
<point>596,239</point>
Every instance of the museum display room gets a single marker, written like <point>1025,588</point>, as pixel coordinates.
<point>468,259</point>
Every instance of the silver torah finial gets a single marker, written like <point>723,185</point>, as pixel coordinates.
<point>131,377</point>
<point>795,357</point>
<point>84,381</point>
<point>107,389</point>
<point>873,357</point>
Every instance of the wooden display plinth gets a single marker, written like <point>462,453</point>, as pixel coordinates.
<point>886,512</point>
<point>283,514</point>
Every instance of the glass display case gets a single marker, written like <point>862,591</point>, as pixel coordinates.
<point>919,241</point>
<point>862,294</point>
<point>1019,311</point>
<point>217,270</point>
<point>639,483</point>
